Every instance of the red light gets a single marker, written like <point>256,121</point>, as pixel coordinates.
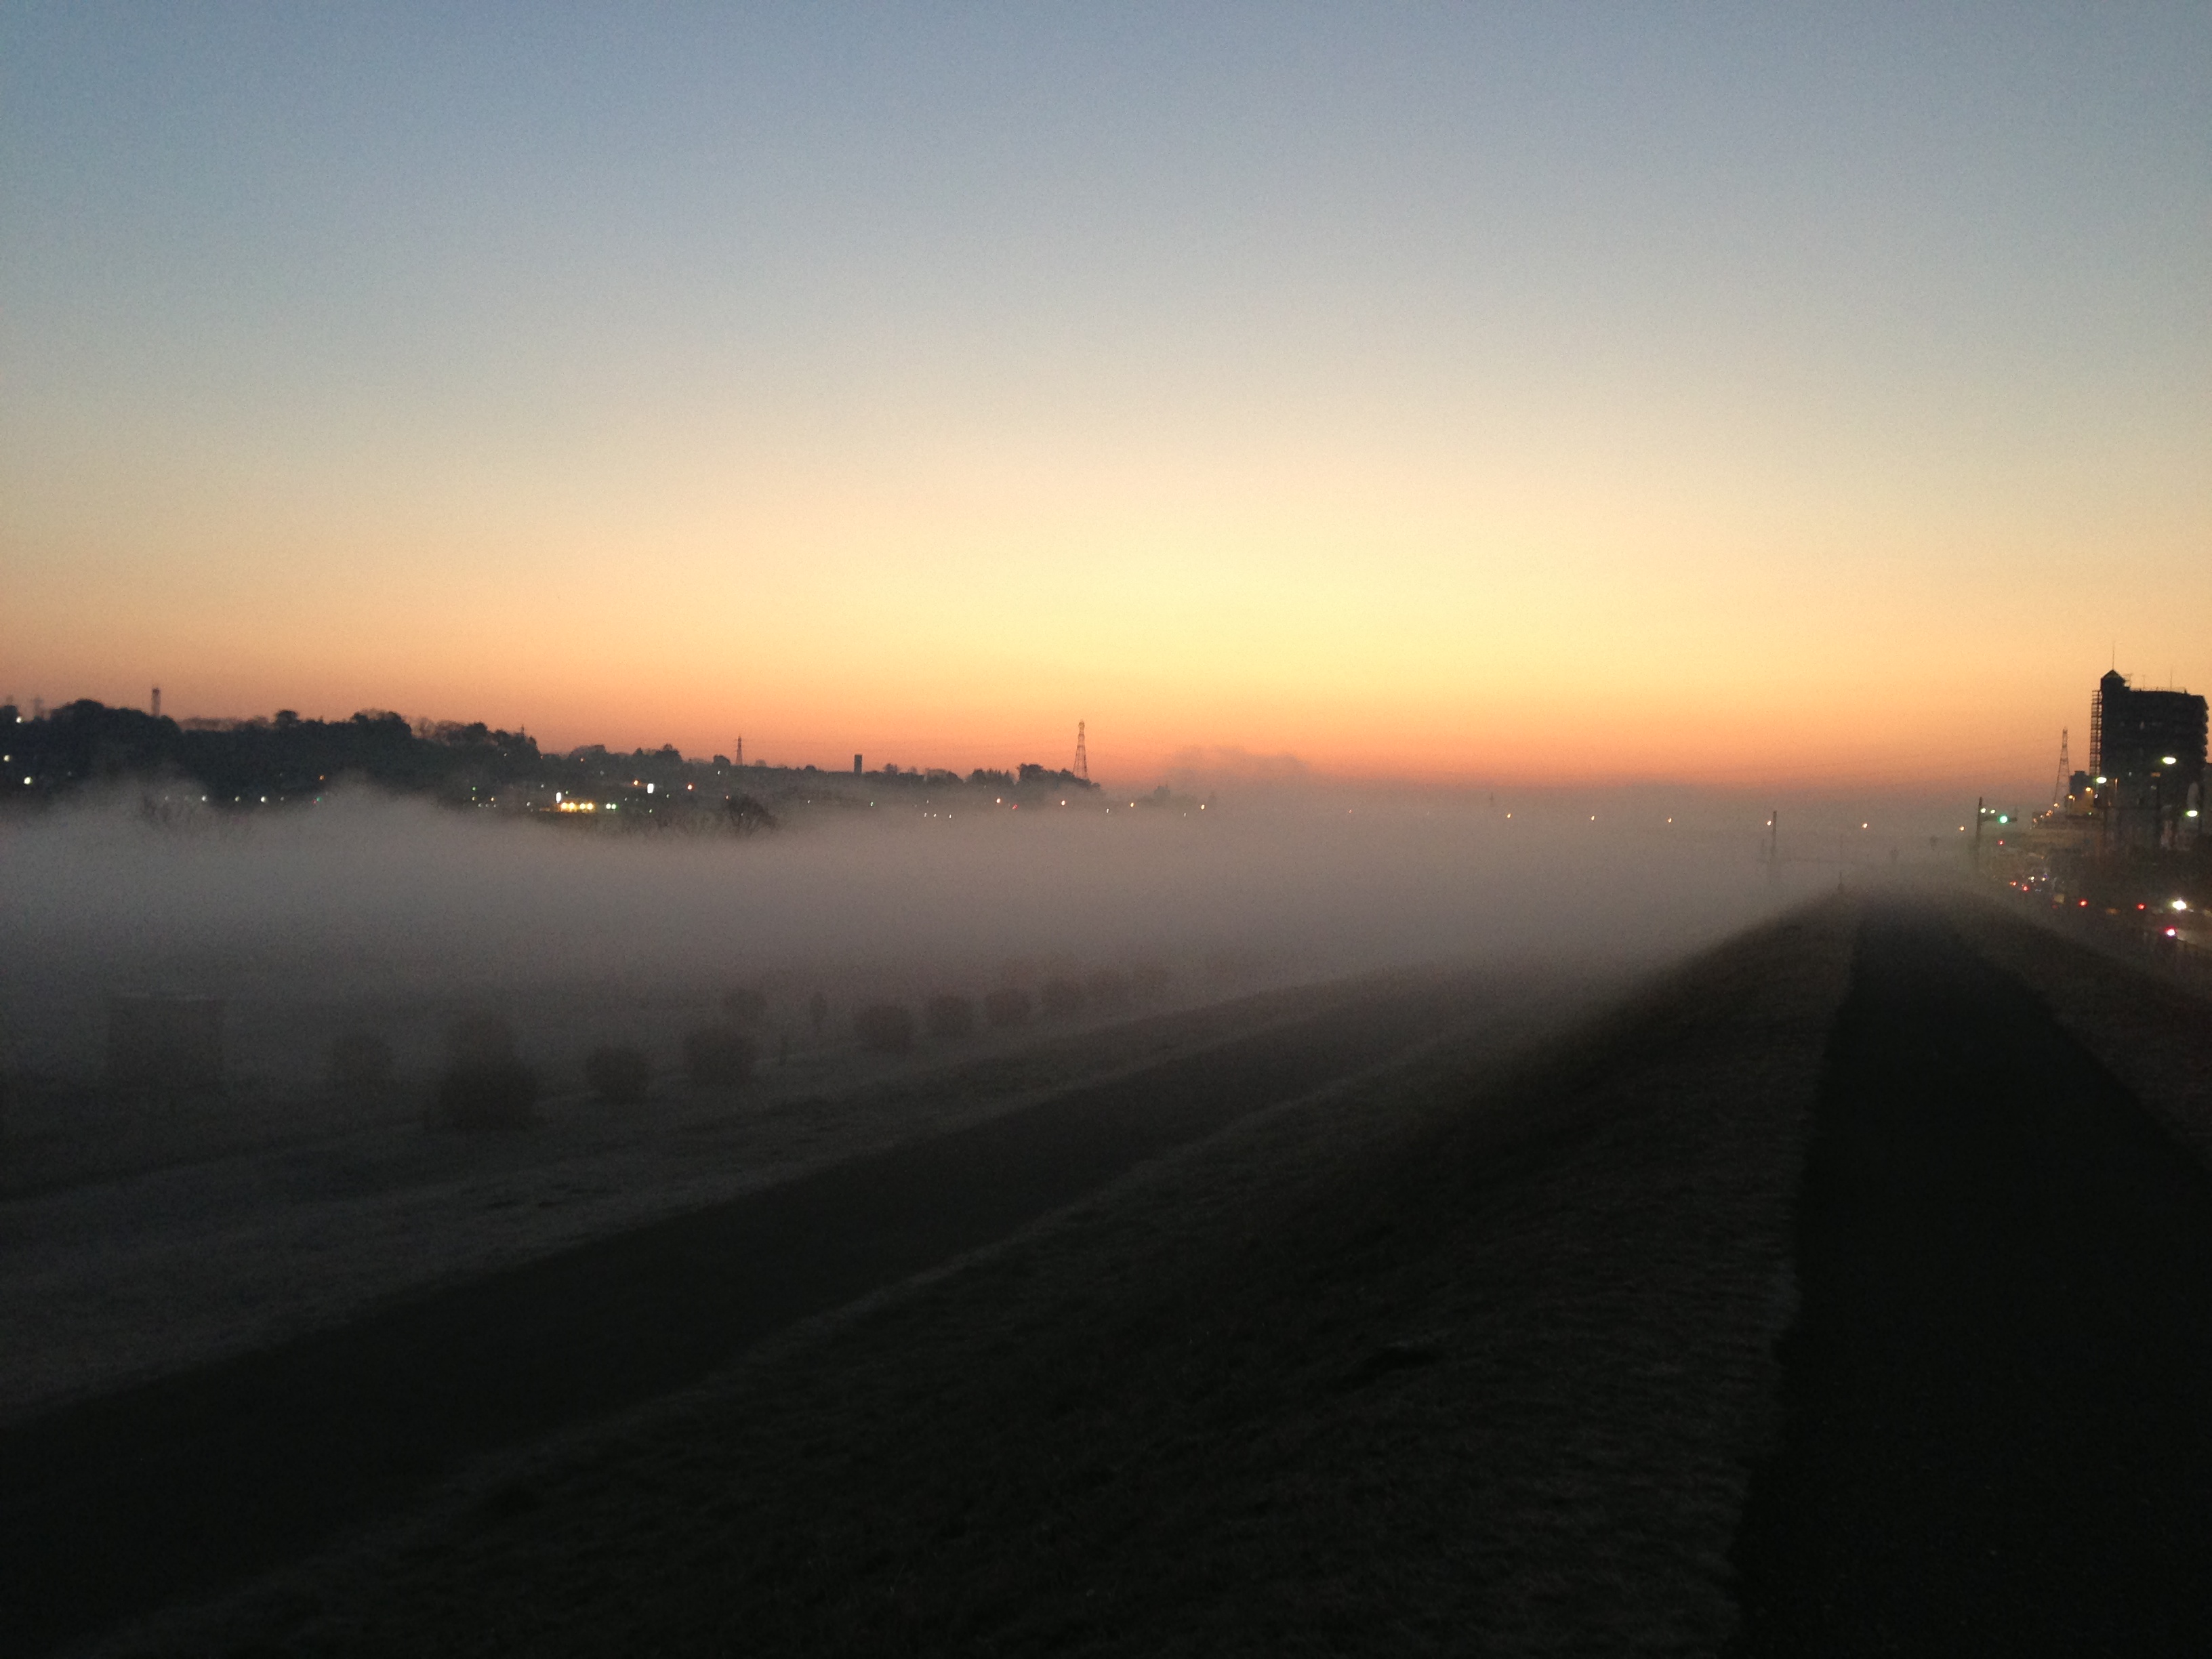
<point>2143,906</point>
<point>2084,904</point>
<point>2170,933</point>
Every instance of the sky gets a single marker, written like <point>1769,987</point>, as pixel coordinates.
<point>1458,393</point>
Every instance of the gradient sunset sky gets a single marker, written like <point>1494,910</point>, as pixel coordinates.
<point>1485,392</point>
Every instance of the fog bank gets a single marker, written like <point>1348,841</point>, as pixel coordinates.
<point>368,899</point>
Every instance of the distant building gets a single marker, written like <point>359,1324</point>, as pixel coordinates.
<point>856,766</point>
<point>2147,756</point>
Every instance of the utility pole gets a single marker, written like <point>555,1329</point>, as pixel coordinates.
<point>1082,755</point>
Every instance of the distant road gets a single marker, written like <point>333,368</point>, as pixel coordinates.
<point>179,1488</point>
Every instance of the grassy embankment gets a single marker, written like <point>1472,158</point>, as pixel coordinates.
<point>1474,1354</point>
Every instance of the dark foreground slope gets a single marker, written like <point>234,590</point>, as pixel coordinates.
<point>1445,1360</point>
<point>187,1483</point>
<point>1999,1392</point>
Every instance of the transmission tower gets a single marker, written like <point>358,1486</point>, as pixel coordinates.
<point>1082,755</point>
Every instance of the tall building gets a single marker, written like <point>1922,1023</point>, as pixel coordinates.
<point>2146,752</point>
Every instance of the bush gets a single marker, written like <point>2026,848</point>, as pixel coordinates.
<point>618,1074</point>
<point>486,1094</point>
<point>745,1007</point>
<point>884,1028</point>
<point>1008,1005</point>
<point>949,1016</point>
<point>1061,998</point>
<point>1109,989</point>
<point>360,1060</point>
<point>719,1056</point>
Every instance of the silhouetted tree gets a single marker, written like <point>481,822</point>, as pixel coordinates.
<point>746,816</point>
<point>719,1056</point>
<point>949,1016</point>
<point>884,1028</point>
<point>486,1094</point>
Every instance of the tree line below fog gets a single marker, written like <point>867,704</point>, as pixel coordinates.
<point>285,757</point>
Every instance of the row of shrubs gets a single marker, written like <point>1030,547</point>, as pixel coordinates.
<point>889,1027</point>
<point>486,1086</point>
<point>485,1083</point>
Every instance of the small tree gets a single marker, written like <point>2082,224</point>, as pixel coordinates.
<point>949,1016</point>
<point>618,1074</point>
<point>483,1086</point>
<point>884,1028</point>
<point>719,1056</point>
<point>486,1094</point>
<point>1008,1005</point>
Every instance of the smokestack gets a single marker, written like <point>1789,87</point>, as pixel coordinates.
<point>157,703</point>
<point>856,766</point>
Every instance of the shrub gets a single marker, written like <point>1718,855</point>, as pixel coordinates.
<point>1008,1005</point>
<point>1061,998</point>
<point>1109,989</point>
<point>950,1017</point>
<point>719,1056</point>
<point>745,1007</point>
<point>486,1094</point>
<point>884,1028</point>
<point>618,1074</point>
<point>360,1060</point>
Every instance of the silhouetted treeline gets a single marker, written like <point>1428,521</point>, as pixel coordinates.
<point>286,758</point>
<point>283,757</point>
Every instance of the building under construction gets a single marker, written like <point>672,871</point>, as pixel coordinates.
<point>2146,777</point>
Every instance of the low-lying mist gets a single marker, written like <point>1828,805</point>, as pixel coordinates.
<point>370,903</point>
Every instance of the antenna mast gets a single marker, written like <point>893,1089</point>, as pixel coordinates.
<point>1082,755</point>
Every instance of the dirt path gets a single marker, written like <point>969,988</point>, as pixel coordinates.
<point>178,1487</point>
<point>1999,1390</point>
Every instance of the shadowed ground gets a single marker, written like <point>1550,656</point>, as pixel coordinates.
<point>1459,1355</point>
<point>179,1487</point>
<point>1999,1392</point>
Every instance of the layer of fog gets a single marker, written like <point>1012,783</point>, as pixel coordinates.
<point>366,902</point>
